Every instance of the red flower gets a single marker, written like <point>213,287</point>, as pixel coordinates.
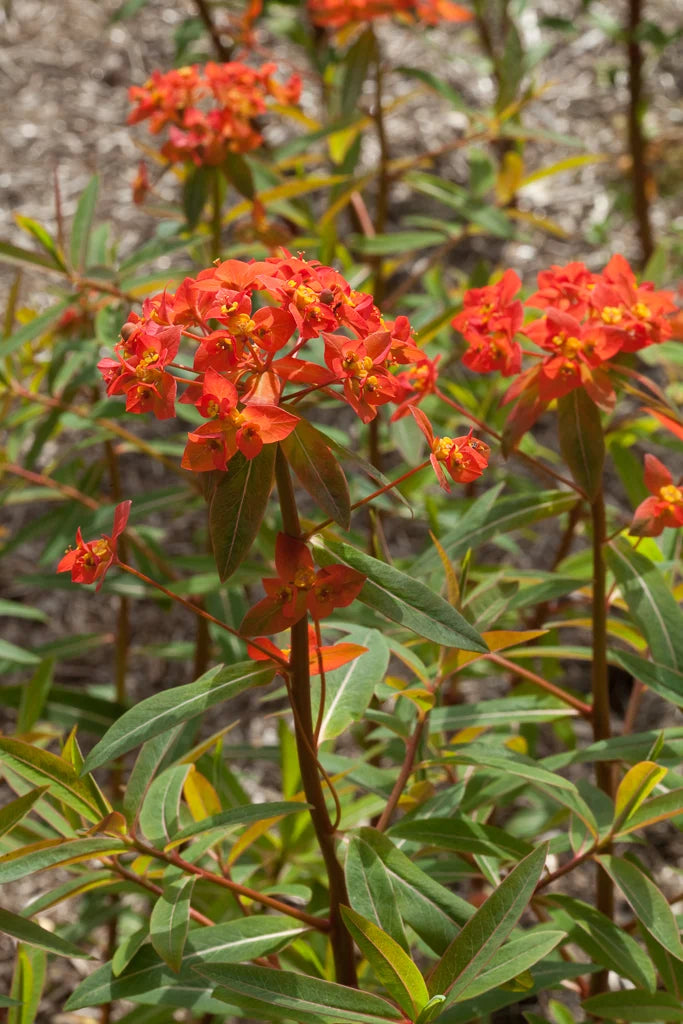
<point>337,13</point>
<point>90,560</point>
<point>299,589</point>
<point>664,507</point>
<point>489,321</point>
<point>329,657</point>
<point>140,184</point>
<point>465,458</point>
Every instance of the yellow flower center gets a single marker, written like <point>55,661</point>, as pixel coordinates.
<point>611,314</point>
<point>304,579</point>
<point>671,494</point>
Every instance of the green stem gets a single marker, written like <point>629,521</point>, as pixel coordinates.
<point>403,776</point>
<point>300,695</point>
<point>604,895</point>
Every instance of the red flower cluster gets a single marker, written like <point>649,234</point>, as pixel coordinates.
<point>664,507</point>
<point>90,560</point>
<point>465,458</point>
<point>588,320</point>
<point>300,589</point>
<point>248,367</point>
<point>209,111</point>
<point>336,14</point>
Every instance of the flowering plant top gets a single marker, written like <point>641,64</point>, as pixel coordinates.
<point>209,111</point>
<point>336,14</point>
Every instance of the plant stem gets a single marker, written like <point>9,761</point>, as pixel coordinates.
<point>585,710</point>
<point>604,895</point>
<point>403,775</point>
<point>636,141</point>
<point>300,695</point>
<point>223,53</point>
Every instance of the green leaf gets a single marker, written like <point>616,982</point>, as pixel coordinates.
<point>159,813</point>
<point>370,890</point>
<point>658,676</point>
<point>148,979</point>
<point>431,910</point>
<point>239,816</point>
<point>50,852</point>
<point>513,959</point>
<point>27,984</point>
<point>17,655</point>
<point>283,995</point>
<point>392,967</point>
<point>634,788</point>
<point>431,1010</point>
<point>33,329</point>
<point>355,68</point>
<point>18,256</point>
<point>490,517</point>
<point>648,903</point>
<point>660,808</point>
<point>236,507</point>
<point>82,224</point>
<point>473,949</point>
<point>170,920</point>
<point>349,689</point>
<point>28,931</point>
<point>604,942</point>
<point>404,599</point>
<point>13,812</point>
<point>41,767</point>
<point>318,471</point>
<point>397,242</point>
<point>43,236</point>
<point>500,711</point>
<point>582,440</point>
<point>164,710</point>
<point>195,194</point>
<point>238,172</point>
<point>34,694</point>
<point>635,1005</point>
<point>650,602</point>
<point>461,834</point>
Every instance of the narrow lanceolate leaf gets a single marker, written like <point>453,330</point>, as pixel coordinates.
<point>159,813</point>
<point>27,984</point>
<point>50,852</point>
<point>170,920</point>
<point>512,960</point>
<point>82,224</point>
<point>650,602</point>
<point>236,507</point>
<point>164,710</point>
<point>581,440</point>
<point>486,931</point>
<point>390,964</point>
<point>14,811</point>
<point>371,891</point>
<point>431,910</point>
<point>239,816</point>
<point>148,979</point>
<point>283,995</point>
<point>648,903</point>
<point>492,516</point>
<point>462,835</point>
<point>28,931</point>
<point>605,943</point>
<point>42,767</point>
<point>349,689</point>
<point>634,788</point>
<point>404,599</point>
<point>319,472</point>
<point>656,674</point>
<point>635,1005</point>
<point>660,808</point>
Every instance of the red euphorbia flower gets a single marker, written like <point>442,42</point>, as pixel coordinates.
<point>465,458</point>
<point>664,507</point>
<point>90,560</point>
<point>299,589</point>
<point>327,657</point>
<point>337,13</point>
<point>489,321</point>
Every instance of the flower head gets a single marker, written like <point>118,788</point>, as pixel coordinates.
<point>664,507</point>
<point>464,458</point>
<point>90,560</point>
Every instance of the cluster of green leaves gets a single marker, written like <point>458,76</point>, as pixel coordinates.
<point>215,903</point>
